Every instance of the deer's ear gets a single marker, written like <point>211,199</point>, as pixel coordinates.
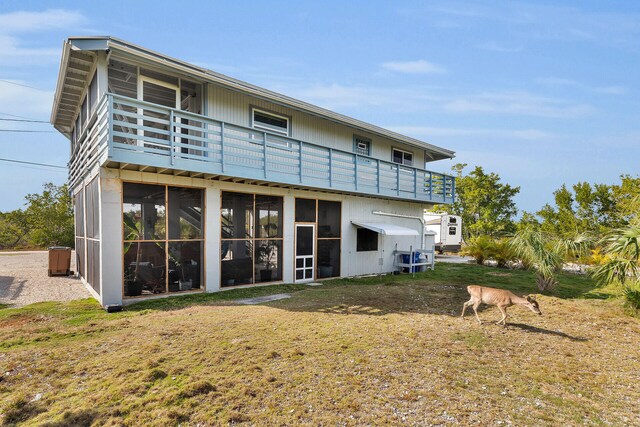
<point>529,298</point>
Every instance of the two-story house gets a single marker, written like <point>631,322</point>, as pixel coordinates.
<point>186,180</point>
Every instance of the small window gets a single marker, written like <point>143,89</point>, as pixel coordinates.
<point>402,157</point>
<point>452,231</point>
<point>270,121</point>
<point>361,145</point>
<point>453,220</point>
<point>367,240</point>
<point>83,112</point>
<point>93,92</point>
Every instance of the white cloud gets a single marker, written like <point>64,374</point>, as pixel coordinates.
<point>23,22</point>
<point>605,90</point>
<point>413,67</point>
<point>518,103</point>
<point>502,48</point>
<point>13,54</point>
<point>611,90</point>
<point>488,134</point>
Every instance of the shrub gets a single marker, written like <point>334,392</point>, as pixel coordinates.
<point>479,247</point>
<point>503,252</point>
<point>631,293</point>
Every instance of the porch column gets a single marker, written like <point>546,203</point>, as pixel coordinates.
<point>110,238</point>
<point>212,236</point>
<point>289,214</point>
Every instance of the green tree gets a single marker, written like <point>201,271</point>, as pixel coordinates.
<point>14,229</point>
<point>589,208</point>
<point>50,216</point>
<point>485,204</point>
<point>627,199</point>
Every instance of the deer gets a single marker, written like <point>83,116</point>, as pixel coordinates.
<point>498,297</point>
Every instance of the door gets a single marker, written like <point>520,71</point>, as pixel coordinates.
<point>305,252</point>
<point>156,120</point>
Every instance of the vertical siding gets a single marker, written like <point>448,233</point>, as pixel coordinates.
<point>235,107</point>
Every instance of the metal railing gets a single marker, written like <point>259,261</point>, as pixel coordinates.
<point>152,135</point>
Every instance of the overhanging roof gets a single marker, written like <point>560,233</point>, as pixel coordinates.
<point>107,43</point>
<point>386,229</point>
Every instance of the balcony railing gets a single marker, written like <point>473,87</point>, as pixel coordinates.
<point>140,133</point>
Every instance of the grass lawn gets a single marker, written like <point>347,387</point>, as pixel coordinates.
<point>374,351</point>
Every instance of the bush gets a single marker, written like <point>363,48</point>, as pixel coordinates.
<point>632,296</point>
<point>503,252</point>
<point>479,247</point>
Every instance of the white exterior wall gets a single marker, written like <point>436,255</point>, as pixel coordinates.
<point>110,238</point>
<point>235,107</point>
<point>354,208</point>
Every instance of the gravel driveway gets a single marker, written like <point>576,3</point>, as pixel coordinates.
<point>24,280</point>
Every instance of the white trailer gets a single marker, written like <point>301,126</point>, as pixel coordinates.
<point>448,229</point>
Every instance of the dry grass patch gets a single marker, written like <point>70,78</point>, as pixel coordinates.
<point>362,353</point>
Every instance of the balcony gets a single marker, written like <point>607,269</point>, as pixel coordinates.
<point>133,134</point>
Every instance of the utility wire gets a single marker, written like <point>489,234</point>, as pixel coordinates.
<point>27,131</point>
<point>24,120</point>
<point>18,84</point>
<point>14,115</point>
<point>32,163</point>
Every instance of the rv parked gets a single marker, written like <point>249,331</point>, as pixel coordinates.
<point>448,229</point>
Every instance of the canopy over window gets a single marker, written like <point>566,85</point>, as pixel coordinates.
<point>386,229</point>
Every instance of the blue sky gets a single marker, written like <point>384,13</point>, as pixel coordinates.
<point>541,93</point>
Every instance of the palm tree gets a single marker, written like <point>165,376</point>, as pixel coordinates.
<point>623,249</point>
<point>546,254</point>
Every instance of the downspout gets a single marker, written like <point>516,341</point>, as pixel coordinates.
<point>421,219</point>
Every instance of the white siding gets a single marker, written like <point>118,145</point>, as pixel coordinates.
<point>235,107</point>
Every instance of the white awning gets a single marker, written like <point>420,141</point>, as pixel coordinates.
<point>387,229</point>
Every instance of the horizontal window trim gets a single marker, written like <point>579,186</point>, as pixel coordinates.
<point>251,238</point>
<point>164,240</point>
<point>269,128</point>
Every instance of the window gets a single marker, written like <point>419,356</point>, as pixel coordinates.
<point>270,121</point>
<point>93,92</point>
<point>367,240</point>
<point>305,210</point>
<point>252,232</point>
<point>83,112</point>
<point>361,145</point>
<point>163,239</point>
<point>123,79</point>
<point>452,231</point>
<point>402,157</point>
<point>452,220</point>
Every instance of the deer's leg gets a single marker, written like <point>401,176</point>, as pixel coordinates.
<point>503,321</point>
<point>475,310</point>
<point>464,307</point>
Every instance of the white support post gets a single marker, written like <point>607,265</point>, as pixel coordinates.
<point>213,233</point>
<point>288,258</point>
<point>111,275</point>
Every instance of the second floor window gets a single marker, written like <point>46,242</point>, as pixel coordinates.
<point>269,121</point>
<point>402,157</point>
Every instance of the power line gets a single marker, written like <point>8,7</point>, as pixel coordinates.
<point>27,131</point>
<point>14,115</point>
<point>18,84</point>
<point>24,120</point>
<point>32,163</point>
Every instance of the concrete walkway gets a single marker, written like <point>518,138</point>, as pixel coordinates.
<point>24,280</point>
